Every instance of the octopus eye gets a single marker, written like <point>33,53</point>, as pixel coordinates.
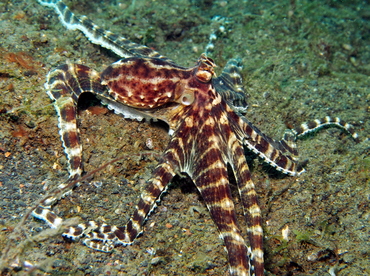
<point>187,98</point>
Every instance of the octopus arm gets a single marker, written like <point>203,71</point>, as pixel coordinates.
<point>103,237</point>
<point>213,184</point>
<point>279,154</point>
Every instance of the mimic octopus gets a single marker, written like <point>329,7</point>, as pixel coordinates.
<point>208,134</point>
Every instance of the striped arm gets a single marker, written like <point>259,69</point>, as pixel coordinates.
<point>103,237</point>
<point>119,45</point>
<point>281,155</point>
<point>217,197</point>
<point>209,172</point>
<point>45,214</point>
<point>64,85</point>
<point>251,207</point>
<point>327,121</point>
<point>230,86</point>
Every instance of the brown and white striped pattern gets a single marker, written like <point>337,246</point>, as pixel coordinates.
<point>327,121</point>
<point>230,86</point>
<point>208,134</point>
<point>119,45</point>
